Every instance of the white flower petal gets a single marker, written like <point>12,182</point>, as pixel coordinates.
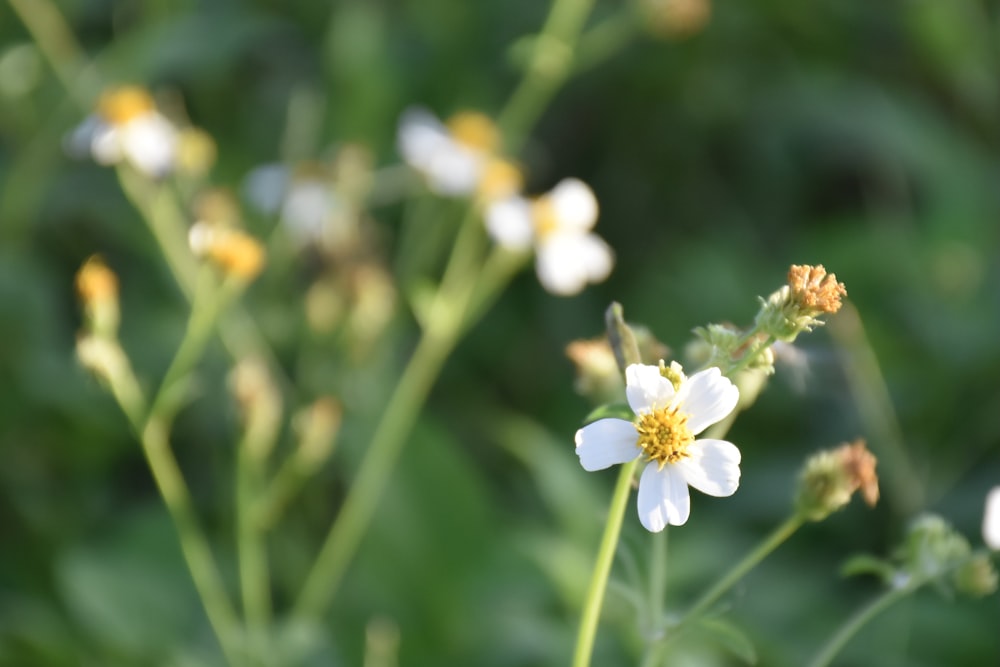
<point>663,498</point>
<point>646,389</point>
<point>509,223</point>
<point>605,443</point>
<point>265,187</point>
<point>991,519</point>
<point>713,467</point>
<point>106,145</point>
<point>596,257</point>
<point>567,261</point>
<point>421,136</point>
<point>307,210</point>
<point>708,396</point>
<point>453,171</point>
<point>575,205</point>
<point>150,142</point>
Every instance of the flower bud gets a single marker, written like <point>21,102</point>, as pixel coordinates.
<point>101,356</point>
<point>318,426</point>
<point>831,477</point>
<point>260,406</point>
<point>97,286</point>
<point>976,577</point>
<point>675,18</point>
<point>932,548</point>
<point>795,308</point>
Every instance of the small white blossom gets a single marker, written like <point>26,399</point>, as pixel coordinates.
<point>558,224</point>
<point>127,128</point>
<point>459,158</point>
<point>991,519</point>
<point>667,420</point>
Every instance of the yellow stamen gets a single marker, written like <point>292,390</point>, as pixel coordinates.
<point>664,435</point>
<point>120,105</point>
<point>474,130</point>
<point>500,179</point>
<point>544,214</point>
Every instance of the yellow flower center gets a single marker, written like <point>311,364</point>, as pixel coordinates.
<point>121,105</point>
<point>500,179</point>
<point>664,435</point>
<point>474,130</point>
<point>545,217</point>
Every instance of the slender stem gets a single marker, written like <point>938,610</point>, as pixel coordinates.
<point>194,545</point>
<point>252,548</point>
<point>271,504</point>
<point>55,40</point>
<point>348,528</point>
<point>657,581</point>
<point>738,571</point>
<point>587,632</point>
<point>856,621</point>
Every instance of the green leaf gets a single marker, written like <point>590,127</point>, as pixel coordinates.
<point>731,637</point>
<point>867,564</point>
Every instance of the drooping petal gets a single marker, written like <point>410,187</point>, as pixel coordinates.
<point>605,443</point>
<point>991,519</point>
<point>421,136</point>
<point>663,498</point>
<point>508,222</point>
<point>575,205</point>
<point>713,467</point>
<point>708,396</point>
<point>646,389</point>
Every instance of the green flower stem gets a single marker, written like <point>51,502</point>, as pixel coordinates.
<point>587,632</point>
<point>738,571</point>
<point>657,581</point>
<point>255,580</point>
<point>858,620</point>
<point>550,64</point>
<point>286,483</point>
<point>194,545</point>
<point>197,554</point>
<point>55,40</point>
<point>606,39</point>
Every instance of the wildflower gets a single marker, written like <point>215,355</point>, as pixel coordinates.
<point>991,519</point>
<point>127,127</point>
<point>670,410</point>
<point>796,307</point>
<point>458,158</point>
<point>558,224</point>
<point>831,478</point>
<point>234,251</point>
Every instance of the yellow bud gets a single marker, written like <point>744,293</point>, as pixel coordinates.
<point>97,286</point>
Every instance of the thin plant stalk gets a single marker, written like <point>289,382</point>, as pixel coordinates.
<point>858,620</point>
<point>594,599</point>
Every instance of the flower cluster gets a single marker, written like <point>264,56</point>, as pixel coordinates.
<point>463,157</point>
<point>670,409</point>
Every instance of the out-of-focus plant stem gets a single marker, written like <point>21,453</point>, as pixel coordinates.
<point>859,619</point>
<point>461,298</point>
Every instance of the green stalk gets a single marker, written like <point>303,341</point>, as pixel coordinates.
<point>858,620</point>
<point>255,580</point>
<point>602,567</point>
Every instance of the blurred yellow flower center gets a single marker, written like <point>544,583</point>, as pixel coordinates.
<point>664,435</point>
<point>544,214</point>
<point>121,105</point>
<point>475,131</point>
<point>500,179</point>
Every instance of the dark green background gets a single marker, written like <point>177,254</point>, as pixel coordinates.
<point>861,135</point>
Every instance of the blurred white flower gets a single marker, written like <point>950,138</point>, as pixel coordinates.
<point>557,224</point>
<point>459,158</point>
<point>991,519</point>
<point>668,418</point>
<point>127,127</point>
<point>304,199</point>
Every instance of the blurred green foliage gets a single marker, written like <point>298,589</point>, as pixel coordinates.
<point>860,135</point>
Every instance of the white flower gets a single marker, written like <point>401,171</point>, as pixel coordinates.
<point>460,158</point>
<point>558,224</point>
<point>991,519</point>
<point>127,127</point>
<point>667,421</point>
<point>304,199</point>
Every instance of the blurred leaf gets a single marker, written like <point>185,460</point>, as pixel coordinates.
<point>731,637</point>
<point>611,410</point>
